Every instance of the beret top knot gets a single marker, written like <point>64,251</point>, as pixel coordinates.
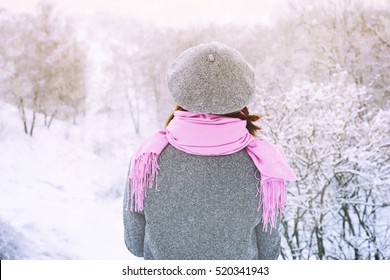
<point>211,78</point>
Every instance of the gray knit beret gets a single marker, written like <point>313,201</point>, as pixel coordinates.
<point>211,78</point>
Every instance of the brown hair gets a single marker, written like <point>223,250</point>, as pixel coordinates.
<point>243,115</point>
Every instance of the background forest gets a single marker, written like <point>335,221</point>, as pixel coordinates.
<point>77,94</point>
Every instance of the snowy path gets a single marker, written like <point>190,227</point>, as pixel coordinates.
<point>63,198</point>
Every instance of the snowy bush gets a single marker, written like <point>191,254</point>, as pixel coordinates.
<point>10,242</point>
<point>340,151</point>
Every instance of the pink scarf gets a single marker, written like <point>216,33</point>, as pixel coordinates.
<point>212,135</point>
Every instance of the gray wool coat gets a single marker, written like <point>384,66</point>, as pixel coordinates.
<point>204,207</point>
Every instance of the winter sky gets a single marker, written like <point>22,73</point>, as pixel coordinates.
<point>176,13</point>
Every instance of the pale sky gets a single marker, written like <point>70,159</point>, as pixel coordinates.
<point>168,12</point>
<point>176,13</point>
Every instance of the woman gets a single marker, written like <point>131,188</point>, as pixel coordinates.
<point>205,187</point>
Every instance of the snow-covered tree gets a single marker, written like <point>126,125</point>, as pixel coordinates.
<point>339,148</point>
<point>323,38</point>
<point>16,52</point>
<point>44,66</point>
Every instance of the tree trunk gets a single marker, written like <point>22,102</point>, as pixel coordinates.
<point>51,119</point>
<point>23,115</point>
<point>32,124</point>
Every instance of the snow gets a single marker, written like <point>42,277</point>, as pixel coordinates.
<point>61,190</point>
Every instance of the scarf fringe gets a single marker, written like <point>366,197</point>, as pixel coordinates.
<point>273,201</point>
<point>143,174</point>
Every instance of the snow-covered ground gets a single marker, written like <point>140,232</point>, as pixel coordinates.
<point>61,190</point>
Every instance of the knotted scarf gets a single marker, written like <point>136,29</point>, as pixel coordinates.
<point>213,135</point>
